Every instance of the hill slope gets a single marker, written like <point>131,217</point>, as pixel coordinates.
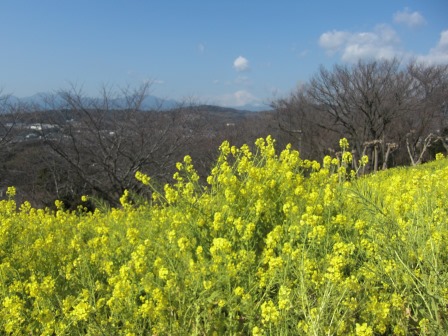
<point>274,245</point>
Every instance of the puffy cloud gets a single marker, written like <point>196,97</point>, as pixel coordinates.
<point>237,99</point>
<point>381,43</point>
<point>413,19</point>
<point>241,64</point>
<point>438,54</point>
<point>243,97</point>
<point>334,40</point>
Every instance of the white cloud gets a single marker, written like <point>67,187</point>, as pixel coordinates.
<point>334,40</point>
<point>438,54</point>
<point>381,43</point>
<point>237,99</point>
<point>412,20</point>
<point>241,64</point>
<point>243,97</point>
<point>201,48</point>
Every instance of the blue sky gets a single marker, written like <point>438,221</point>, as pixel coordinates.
<point>216,52</point>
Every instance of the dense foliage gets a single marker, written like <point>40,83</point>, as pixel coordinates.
<point>273,245</point>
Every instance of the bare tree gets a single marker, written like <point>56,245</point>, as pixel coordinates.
<point>304,126</point>
<point>426,121</point>
<point>385,109</point>
<point>8,118</point>
<point>108,139</point>
<point>10,114</point>
<point>363,99</point>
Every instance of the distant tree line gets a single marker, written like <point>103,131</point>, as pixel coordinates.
<point>395,113</point>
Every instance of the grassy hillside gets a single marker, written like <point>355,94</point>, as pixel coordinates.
<point>274,245</point>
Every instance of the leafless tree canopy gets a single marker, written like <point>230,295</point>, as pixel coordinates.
<point>6,110</point>
<point>73,145</point>
<point>378,105</point>
<point>106,141</point>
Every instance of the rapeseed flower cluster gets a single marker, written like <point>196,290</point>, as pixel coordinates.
<point>273,244</point>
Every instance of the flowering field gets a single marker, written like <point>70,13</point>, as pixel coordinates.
<point>274,245</point>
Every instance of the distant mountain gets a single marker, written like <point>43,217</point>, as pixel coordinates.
<point>215,110</point>
<point>152,102</point>
<point>46,101</point>
<point>253,107</point>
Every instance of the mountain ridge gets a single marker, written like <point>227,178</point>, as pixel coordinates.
<point>46,100</point>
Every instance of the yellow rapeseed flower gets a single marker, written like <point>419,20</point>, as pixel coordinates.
<point>143,178</point>
<point>11,191</point>
<point>269,313</point>
<point>363,330</point>
<point>343,143</point>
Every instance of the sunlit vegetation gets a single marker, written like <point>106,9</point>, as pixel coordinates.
<point>274,244</point>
